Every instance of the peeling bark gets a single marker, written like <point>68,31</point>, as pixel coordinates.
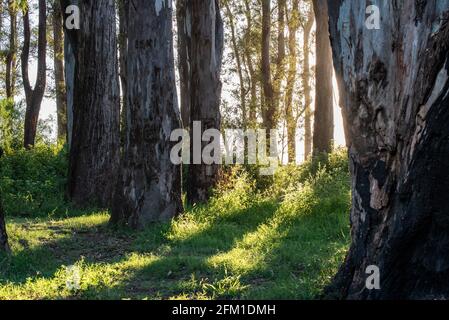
<point>394,89</point>
<point>150,189</point>
<point>95,145</point>
<point>207,51</point>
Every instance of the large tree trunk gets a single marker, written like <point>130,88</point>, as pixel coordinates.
<point>184,56</point>
<point>207,51</point>
<point>58,60</point>
<point>293,26</point>
<point>11,56</point>
<point>34,96</point>
<point>95,147</point>
<point>394,89</point>
<point>323,132</point>
<point>150,190</point>
<point>306,86</point>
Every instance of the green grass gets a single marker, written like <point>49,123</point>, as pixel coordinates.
<point>243,245</point>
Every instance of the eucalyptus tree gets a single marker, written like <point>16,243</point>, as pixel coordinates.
<point>393,74</point>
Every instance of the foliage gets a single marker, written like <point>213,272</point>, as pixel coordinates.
<point>244,244</point>
<point>33,182</point>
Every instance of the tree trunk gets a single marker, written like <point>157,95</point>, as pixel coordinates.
<point>4,247</point>
<point>323,132</point>
<point>394,89</point>
<point>123,54</point>
<point>184,56</point>
<point>306,86</point>
<point>11,56</point>
<point>281,58</point>
<point>58,60</point>
<point>34,96</point>
<point>238,60</point>
<point>151,186</point>
<point>95,147</point>
<point>268,108</point>
<point>70,48</point>
<point>293,26</point>
<point>252,113</point>
<point>207,51</point>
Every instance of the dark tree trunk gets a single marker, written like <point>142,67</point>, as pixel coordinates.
<point>58,60</point>
<point>11,56</point>
<point>268,107</point>
<point>4,247</point>
<point>306,86</point>
<point>34,96</point>
<point>123,54</point>
<point>323,132</point>
<point>291,119</point>
<point>150,190</point>
<point>394,89</point>
<point>95,146</point>
<point>207,51</point>
<point>184,56</point>
<point>70,49</point>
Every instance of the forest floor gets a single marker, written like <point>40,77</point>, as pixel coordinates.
<point>242,245</point>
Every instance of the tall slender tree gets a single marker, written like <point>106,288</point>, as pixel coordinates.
<point>150,189</point>
<point>95,146</point>
<point>11,55</point>
<point>268,106</point>
<point>306,78</point>
<point>58,61</point>
<point>206,59</point>
<point>184,56</point>
<point>323,132</point>
<point>291,118</point>
<point>34,96</point>
<point>395,107</point>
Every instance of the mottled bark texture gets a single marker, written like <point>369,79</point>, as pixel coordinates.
<point>183,18</point>
<point>323,131</point>
<point>95,145</point>
<point>151,184</point>
<point>58,62</point>
<point>205,63</point>
<point>394,89</point>
<point>34,96</point>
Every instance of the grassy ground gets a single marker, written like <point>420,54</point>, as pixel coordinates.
<point>243,245</point>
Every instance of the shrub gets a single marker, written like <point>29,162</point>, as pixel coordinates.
<point>33,182</point>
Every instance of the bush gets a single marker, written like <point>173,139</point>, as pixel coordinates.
<point>33,182</point>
